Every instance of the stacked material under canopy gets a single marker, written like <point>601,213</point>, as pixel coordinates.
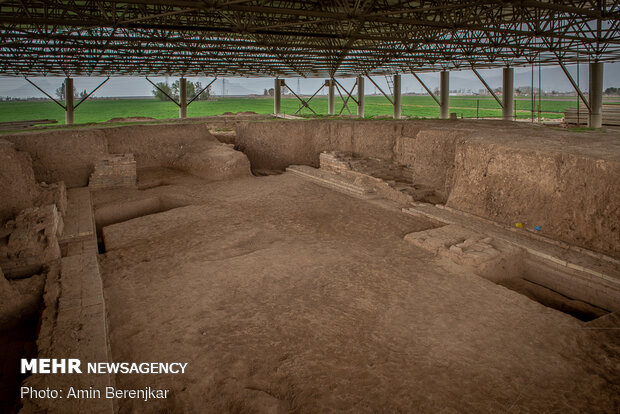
<point>611,115</point>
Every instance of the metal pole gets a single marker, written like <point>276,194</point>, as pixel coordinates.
<point>396,88</point>
<point>69,101</point>
<point>578,91</point>
<point>539,92</point>
<point>596,95</point>
<point>507,93</point>
<point>360,96</point>
<point>444,93</point>
<point>183,98</point>
<point>532,95</point>
<point>276,96</point>
<point>331,101</point>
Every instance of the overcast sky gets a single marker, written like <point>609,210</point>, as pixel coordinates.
<point>552,78</point>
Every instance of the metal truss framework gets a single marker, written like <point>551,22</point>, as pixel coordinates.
<point>312,38</point>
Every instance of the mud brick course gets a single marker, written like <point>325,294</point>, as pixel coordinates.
<point>115,170</point>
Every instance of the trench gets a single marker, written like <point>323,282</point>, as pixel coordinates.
<point>557,288</point>
<point>579,309</point>
<point>118,212</point>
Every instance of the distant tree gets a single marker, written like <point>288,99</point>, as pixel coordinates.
<point>612,91</point>
<point>83,94</point>
<point>204,95</point>
<point>60,91</point>
<point>190,89</point>
<point>165,87</point>
<point>265,92</point>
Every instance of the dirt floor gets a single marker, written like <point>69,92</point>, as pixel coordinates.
<point>285,296</point>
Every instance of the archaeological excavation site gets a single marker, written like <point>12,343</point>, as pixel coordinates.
<point>315,265</point>
<point>286,261</point>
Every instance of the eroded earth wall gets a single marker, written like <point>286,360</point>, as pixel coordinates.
<point>572,197</point>
<point>69,155</point>
<point>567,183</point>
<point>18,188</point>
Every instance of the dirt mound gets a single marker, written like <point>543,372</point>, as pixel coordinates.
<point>131,119</point>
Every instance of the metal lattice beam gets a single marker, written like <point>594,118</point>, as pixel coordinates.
<point>299,38</point>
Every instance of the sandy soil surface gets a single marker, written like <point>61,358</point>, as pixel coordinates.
<point>284,296</point>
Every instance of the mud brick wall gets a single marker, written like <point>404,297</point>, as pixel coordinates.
<point>566,182</point>
<point>115,170</point>
<point>334,161</point>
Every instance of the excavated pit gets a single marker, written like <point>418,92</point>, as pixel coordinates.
<point>579,293</point>
<point>113,213</point>
<point>555,288</point>
<point>296,291</point>
<point>547,297</point>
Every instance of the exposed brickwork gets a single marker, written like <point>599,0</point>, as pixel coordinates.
<point>335,161</point>
<point>114,170</point>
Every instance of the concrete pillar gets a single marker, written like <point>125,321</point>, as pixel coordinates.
<point>396,88</point>
<point>277,95</point>
<point>331,101</point>
<point>596,95</point>
<point>508,93</point>
<point>444,94</point>
<point>183,98</point>
<point>360,96</point>
<point>68,101</point>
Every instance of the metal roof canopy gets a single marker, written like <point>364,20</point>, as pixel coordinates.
<point>299,38</point>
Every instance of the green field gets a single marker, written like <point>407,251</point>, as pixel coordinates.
<point>412,106</point>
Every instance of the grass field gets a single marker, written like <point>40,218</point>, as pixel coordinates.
<point>412,106</point>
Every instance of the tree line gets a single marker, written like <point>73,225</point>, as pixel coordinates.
<point>173,90</point>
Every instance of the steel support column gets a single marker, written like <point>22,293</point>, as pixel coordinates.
<point>69,101</point>
<point>444,94</point>
<point>331,101</point>
<point>596,95</point>
<point>508,75</point>
<point>277,95</point>
<point>360,96</point>
<point>183,98</point>
<point>396,88</point>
